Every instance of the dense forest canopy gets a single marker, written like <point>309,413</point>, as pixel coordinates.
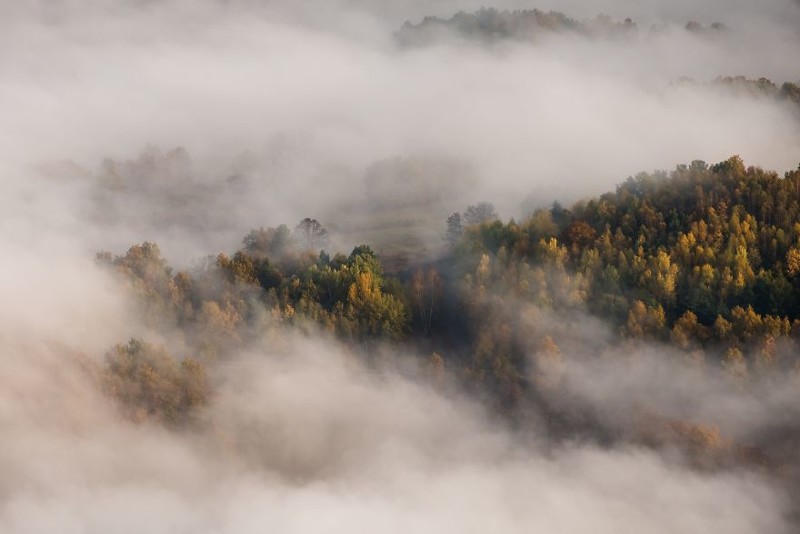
<point>705,258</point>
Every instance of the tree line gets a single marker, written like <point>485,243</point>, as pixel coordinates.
<point>491,25</point>
<point>704,259</point>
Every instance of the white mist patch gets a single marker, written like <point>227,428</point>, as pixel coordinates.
<point>566,113</point>
<point>621,386</point>
<point>306,440</point>
<point>51,296</point>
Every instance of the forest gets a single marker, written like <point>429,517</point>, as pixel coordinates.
<point>703,260</point>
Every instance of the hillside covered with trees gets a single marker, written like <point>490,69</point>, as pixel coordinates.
<point>704,260</point>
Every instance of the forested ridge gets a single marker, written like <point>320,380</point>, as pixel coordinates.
<point>704,259</point>
<point>491,24</point>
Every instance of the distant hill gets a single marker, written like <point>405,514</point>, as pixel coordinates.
<point>743,86</point>
<point>490,25</point>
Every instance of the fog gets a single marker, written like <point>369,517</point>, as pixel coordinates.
<point>189,123</point>
<point>310,96</point>
<point>301,438</point>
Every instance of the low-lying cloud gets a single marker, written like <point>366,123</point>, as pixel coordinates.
<point>305,439</point>
<point>313,105</point>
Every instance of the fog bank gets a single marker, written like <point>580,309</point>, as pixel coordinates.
<point>299,102</point>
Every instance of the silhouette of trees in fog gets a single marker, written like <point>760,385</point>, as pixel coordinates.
<point>491,24</point>
<point>311,234</point>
